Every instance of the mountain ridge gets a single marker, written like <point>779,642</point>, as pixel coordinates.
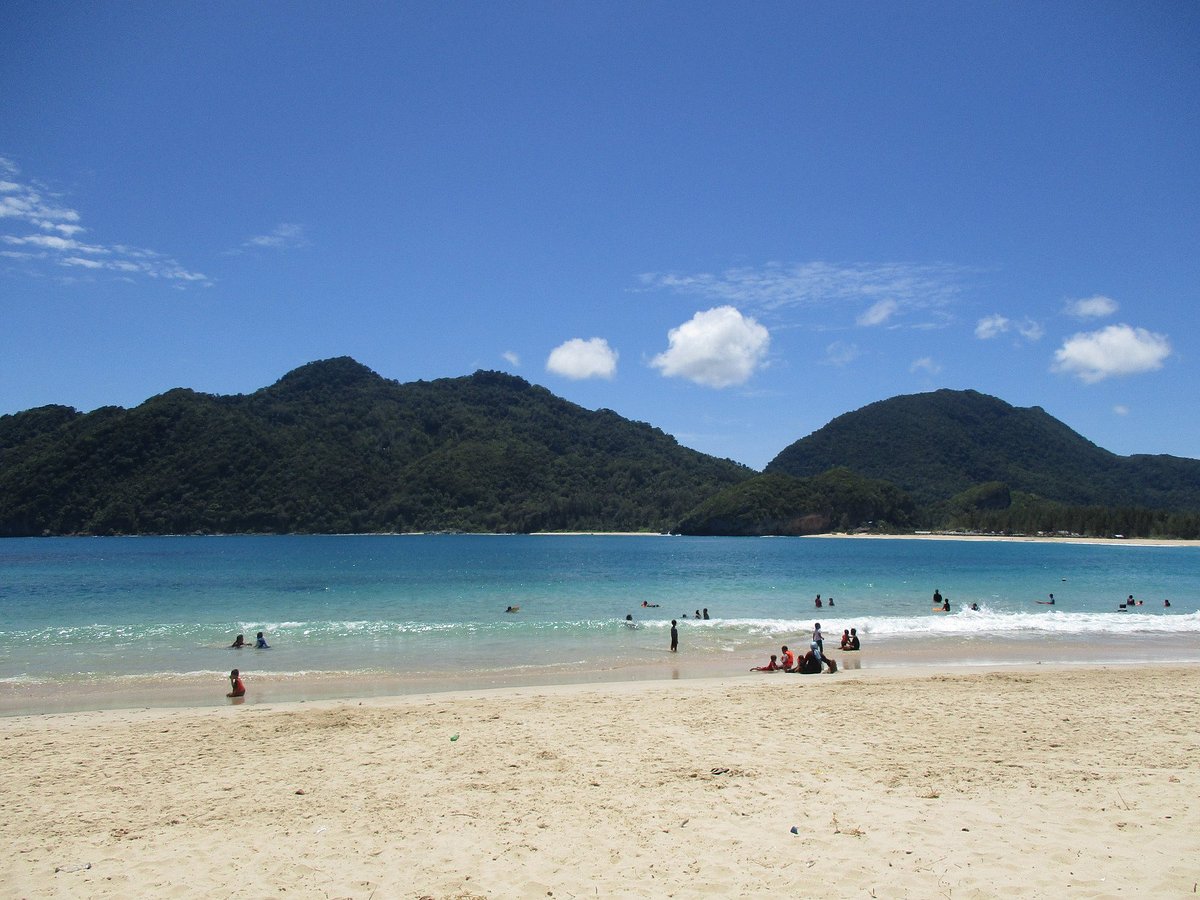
<point>334,446</point>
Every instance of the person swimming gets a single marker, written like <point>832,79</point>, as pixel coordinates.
<point>260,643</point>
<point>238,642</point>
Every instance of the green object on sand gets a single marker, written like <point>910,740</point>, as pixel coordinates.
<point>454,737</point>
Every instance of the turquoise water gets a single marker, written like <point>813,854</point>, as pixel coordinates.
<point>76,610</point>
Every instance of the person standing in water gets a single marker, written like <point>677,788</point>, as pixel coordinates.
<point>674,636</point>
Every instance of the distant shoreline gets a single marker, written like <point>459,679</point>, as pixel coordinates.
<point>1025,539</point>
<point>924,536</point>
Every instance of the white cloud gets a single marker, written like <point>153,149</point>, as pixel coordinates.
<point>1121,410</point>
<point>580,359</point>
<point>1116,350</point>
<point>993,326</point>
<point>718,348</point>
<point>25,204</point>
<point>841,353</point>
<point>1097,307</point>
<point>879,313</point>
<point>777,286</point>
<point>511,358</point>
<point>80,261</point>
<point>990,327</point>
<point>925,364</point>
<point>284,236</point>
<point>53,242</point>
<point>1030,330</point>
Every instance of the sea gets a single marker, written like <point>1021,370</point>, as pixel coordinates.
<point>88,623</point>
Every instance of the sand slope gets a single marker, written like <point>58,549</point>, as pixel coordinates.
<point>1047,782</point>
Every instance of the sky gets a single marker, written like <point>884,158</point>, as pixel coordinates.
<point>732,221</point>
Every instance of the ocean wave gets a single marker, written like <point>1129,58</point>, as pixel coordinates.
<point>965,622</point>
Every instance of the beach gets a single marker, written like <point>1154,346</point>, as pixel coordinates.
<point>1031,781</point>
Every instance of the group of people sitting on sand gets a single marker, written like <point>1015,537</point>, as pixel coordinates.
<point>809,664</point>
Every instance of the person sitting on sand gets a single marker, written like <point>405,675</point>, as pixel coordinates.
<point>260,642</point>
<point>238,642</point>
<point>236,688</point>
<point>854,642</point>
<point>811,663</point>
<point>846,639</point>
<point>788,660</point>
<point>772,666</point>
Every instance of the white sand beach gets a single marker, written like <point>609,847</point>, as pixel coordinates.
<point>1034,782</point>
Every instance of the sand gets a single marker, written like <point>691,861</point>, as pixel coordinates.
<point>1036,782</point>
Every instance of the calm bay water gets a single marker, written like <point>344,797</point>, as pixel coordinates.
<point>99,610</point>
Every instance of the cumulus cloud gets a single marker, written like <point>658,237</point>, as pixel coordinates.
<point>717,348</point>
<point>1097,307</point>
<point>45,230</point>
<point>1116,350</point>
<point>579,359</point>
<point>889,288</point>
<point>841,353</point>
<point>1030,330</point>
<point>990,327</point>
<point>993,326</point>
<point>879,313</point>
<point>925,364</point>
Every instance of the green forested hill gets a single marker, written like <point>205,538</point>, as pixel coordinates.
<point>333,447</point>
<point>837,500</point>
<point>938,445</point>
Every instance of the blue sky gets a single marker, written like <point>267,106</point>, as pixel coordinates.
<point>732,221</point>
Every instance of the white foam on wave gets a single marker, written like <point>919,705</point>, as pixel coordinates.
<point>984,623</point>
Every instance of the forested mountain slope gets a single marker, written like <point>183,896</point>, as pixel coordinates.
<point>334,447</point>
<point>940,444</point>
